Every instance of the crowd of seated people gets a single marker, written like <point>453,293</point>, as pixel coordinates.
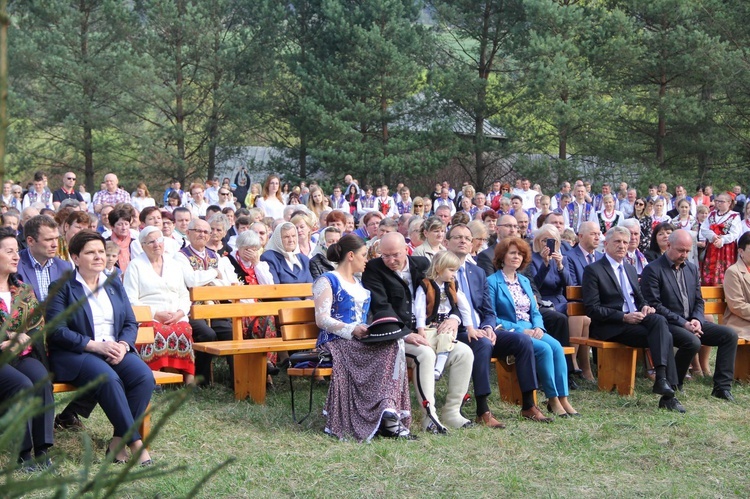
<point>490,270</point>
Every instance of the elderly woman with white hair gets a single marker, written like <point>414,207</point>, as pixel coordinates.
<point>285,262</point>
<point>251,271</point>
<point>149,280</point>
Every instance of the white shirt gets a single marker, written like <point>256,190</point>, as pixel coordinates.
<point>102,312</point>
<point>628,289</point>
<point>272,207</point>
<point>161,293</point>
<point>195,278</point>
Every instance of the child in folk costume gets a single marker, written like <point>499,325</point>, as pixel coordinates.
<point>721,229</point>
<point>438,298</point>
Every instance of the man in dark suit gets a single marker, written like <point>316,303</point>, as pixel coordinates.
<point>618,312</point>
<point>392,280</point>
<point>584,252</point>
<point>671,285</point>
<point>507,226</point>
<point>485,342</point>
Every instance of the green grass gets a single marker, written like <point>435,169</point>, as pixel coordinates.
<point>622,447</point>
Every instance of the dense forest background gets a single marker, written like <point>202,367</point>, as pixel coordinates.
<point>387,90</point>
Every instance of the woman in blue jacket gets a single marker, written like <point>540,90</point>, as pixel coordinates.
<point>516,310</point>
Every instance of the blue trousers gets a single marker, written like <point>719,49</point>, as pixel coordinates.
<point>22,375</point>
<point>551,366</point>
<point>124,393</point>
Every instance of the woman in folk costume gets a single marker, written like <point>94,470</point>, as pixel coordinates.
<point>721,229</point>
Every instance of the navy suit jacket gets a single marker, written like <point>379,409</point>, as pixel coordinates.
<point>550,282</point>
<point>28,275</point>
<point>480,295</point>
<point>484,260</point>
<point>68,338</point>
<point>576,263</point>
<point>281,272</point>
<point>659,288</point>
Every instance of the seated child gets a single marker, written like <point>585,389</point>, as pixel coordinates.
<point>437,299</point>
<point>112,252</point>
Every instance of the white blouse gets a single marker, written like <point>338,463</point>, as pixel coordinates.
<point>162,293</point>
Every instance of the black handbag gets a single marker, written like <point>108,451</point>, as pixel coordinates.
<point>307,360</point>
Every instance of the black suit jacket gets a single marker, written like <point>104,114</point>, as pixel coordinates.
<point>602,297</point>
<point>388,292</point>
<point>484,260</point>
<point>659,288</point>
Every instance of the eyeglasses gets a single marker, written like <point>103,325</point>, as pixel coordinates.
<point>70,178</point>
<point>158,240</point>
<point>223,194</point>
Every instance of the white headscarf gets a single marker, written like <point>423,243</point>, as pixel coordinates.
<point>276,244</point>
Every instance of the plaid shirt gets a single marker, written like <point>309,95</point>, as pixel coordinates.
<point>106,197</point>
<point>42,276</point>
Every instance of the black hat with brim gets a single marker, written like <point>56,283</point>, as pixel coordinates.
<point>385,328</point>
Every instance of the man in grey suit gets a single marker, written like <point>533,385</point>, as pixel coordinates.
<point>671,285</point>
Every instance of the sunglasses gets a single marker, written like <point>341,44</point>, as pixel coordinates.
<point>418,205</point>
<point>70,178</point>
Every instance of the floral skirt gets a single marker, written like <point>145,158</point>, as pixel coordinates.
<point>254,328</point>
<point>367,379</point>
<point>716,263</point>
<point>172,347</point>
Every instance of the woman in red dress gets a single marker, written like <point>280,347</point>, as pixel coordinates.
<point>721,229</point>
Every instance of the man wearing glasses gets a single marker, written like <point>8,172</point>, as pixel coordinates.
<point>67,191</point>
<point>226,198</point>
<point>202,266</point>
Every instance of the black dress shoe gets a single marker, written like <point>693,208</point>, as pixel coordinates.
<point>661,387</point>
<point>72,423</point>
<point>721,393</point>
<point>572,385</point>
<point>671,404</point>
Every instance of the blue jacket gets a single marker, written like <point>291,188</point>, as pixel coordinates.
<point>481,301</point>
<point>550,282</point>
<point>67,340</point>
<point>576,263</point>
<point>505,308</point>
<point>281,272</point>
<point>28,275</point>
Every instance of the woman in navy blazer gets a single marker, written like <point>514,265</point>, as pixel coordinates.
<point>285,263</point>
<point>550,268</point>
<point>516,310</point>
<point>97,339</point>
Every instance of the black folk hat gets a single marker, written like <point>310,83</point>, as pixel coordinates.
<point>385,327</point>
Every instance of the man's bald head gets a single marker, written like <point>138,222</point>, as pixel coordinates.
<point>393,251</point>
<point>589,235</point>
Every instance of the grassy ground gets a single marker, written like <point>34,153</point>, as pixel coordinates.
<point>622,447</point>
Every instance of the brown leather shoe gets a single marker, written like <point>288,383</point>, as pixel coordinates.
<point>488,420</point>
<point>534,414</point>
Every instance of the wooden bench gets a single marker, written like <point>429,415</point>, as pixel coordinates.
<point>616,363</point>
<point>507,379</point>
<point>249,355</point>
<point>145,336</point>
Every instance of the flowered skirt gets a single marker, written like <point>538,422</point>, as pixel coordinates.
<point>254,328</point>
<point>172,347</point>
<point>716,263</point>
<point>367,379</point>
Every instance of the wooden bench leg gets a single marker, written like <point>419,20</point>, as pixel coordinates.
<point>507,383</point>
<point>145,427</point>
<point>250,377</point>
<point>742,363</point>
<point>617,369</point>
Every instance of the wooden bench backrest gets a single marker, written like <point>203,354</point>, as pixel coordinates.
<point>298,323</point>
<point>258,292</point>
<point>145,334</point>
<point>271,296</point>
